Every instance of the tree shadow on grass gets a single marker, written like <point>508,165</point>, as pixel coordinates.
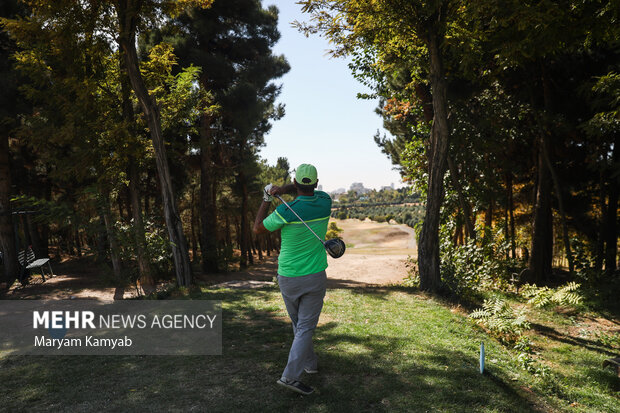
<point>554,334</point>
<point>359,372</point>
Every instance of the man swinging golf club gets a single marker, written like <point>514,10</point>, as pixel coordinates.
<point>301,264</point>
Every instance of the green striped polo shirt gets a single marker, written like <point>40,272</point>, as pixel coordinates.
<point>301,253</point>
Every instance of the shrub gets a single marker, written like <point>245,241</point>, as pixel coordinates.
<point>333,231</point>
<point>158,249</point>
<point>473,267</point>
<point>585,267</point>
<point>501,319</point>
<point>523,346</point>
<point>545,296</point>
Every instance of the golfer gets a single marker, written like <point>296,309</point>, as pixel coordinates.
<point>301,266</point>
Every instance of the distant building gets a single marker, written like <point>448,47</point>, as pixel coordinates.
<point>359,188</point>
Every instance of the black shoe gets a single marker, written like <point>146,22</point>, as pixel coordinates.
<point>297,386</point>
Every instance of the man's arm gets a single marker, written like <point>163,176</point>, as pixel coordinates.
<point>259,227</point>
<point>286,189</point>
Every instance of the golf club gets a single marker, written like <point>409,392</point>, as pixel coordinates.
<point>334,247</point>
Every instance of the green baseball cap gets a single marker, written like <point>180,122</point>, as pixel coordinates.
<point>305,174</point>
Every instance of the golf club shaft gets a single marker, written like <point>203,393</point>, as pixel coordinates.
<point>302,221</point>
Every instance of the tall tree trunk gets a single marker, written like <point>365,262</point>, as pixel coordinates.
<point>146,279</point>
<point>488,222</point>
<point>611,231</point>
<point>147,197</point>
<point>45,228</point>
<point>600,240</point>
<point>78,243</point>
<point>259,249</point>
<point>208,205</point>
<point>611,227</point>
<point>464,204</point>
<point>193,224</point>
<point>541,253</point>
<point>228,235</point>
<point>109,226</point>
<point>102,238</point>
<point>35,237</point>
<point>24,225</point>
<point>558,193</point>
<point>506,230</point>
<point>244,227</point>
<point>121,209</point>
<point>428,249</point>
<point>127,11</point>
<point>7,230</point>
<point>511,208</point>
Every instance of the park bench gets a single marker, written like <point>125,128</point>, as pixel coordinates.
<point>27,260</point>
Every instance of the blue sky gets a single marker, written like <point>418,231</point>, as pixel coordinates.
<point>325,124</point>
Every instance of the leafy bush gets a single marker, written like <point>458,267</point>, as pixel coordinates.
<point>585,267</point>
<point>158,249</point>
<point>545,296</point>
<point>523,346</point>
<point>501,319</point>
<point>333,231</point>
<point>474,266</point>
<point>409,215</point>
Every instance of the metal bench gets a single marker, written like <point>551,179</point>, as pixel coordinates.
<point>27,259</point>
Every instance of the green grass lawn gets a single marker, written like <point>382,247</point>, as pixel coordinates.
<point>381,349</point>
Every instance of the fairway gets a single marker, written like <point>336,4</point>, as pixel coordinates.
<point>376,253</point>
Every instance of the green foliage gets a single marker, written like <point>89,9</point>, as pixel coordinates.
<point>158,249</point>
<point>523,346</point>
<point>567,295</point>
<point>473,266</point>
<point>611,340</point>
<point>278,174</point>
<point>43,211</point>
<point>372,197</point>
<point>333,231</point>
<point>501,319</point>
<point>180,99</point>
<point>409,215</point>
<point>585,266</point>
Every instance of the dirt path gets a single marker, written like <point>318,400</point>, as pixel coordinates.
<point>376,253</point>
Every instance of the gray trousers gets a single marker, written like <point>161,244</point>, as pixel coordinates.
<point>303,298</point>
